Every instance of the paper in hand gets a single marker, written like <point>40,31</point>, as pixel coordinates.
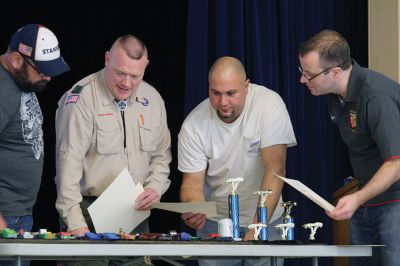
<point>209,208</point>
<point>306,191</point>
<point>115,207</point>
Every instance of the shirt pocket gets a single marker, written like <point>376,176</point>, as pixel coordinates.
<point>109,136</point>
<point>148,138</point>
<point>252,146</point>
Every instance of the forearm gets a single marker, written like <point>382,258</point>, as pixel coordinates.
<point>192,188</point>
<point>274,159</point>
<point>270,181</point>
<point>387,175</point>
<point>189,195</point>
<point>68,192</point>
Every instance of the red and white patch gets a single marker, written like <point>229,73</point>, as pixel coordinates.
<point>73,98</point>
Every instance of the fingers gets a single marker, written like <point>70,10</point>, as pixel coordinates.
<point>194,220</point>
<point>80,231</point>
<point>344,209</point>
<point>145,200</point>
<point>249,235</point>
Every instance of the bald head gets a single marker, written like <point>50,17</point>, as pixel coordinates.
<point>227,66</point>
<point>133,46</point>
<point>227,88</point>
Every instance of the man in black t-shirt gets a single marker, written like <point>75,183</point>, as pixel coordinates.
<point>365,105</point>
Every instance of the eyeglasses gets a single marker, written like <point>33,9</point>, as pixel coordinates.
<point>316,75</point>
<point>26,60</point>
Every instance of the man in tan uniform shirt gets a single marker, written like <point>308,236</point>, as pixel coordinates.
<point>97,137</point>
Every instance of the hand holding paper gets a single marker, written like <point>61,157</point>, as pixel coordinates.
<point>306,191</point>
<point>115,207</point>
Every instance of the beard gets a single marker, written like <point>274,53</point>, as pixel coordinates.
<point>227,118</point>
<point>21,78</point>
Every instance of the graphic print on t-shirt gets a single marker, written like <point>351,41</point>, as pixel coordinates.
<point>32,121</point>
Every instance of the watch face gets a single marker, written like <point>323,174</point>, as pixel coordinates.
<point>122,105</point>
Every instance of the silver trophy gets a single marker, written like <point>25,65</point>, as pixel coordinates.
<point>284,227</point>
<point>263,194</point>
<point>288,205</point>
<point>313,227</point>
<point>257,229</point>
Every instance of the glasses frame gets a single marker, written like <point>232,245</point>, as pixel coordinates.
<point>316,75</point>
<point>26,60</point>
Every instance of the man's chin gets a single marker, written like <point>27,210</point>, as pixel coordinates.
<point>224,115</point>
<point>314,92</point>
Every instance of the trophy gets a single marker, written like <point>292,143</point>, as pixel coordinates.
<point>233,206</point>
<point>288,205</point>
<point>262,211</point>
<point>257,229</point>
<point>313,227</point>
<point>285,229</point>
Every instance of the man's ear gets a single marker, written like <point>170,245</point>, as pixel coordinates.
<point>336,71</point>
<point>16,60</point>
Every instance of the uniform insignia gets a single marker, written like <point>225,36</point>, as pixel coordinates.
<point>77,89</point>
<point>144,101</point>
<point>73,98</point>
<point>122,105</point>
<point>353,119</point>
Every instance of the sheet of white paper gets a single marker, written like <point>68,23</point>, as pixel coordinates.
<point>306,191</point>
<point>208,208</point>
<point>115,207</point>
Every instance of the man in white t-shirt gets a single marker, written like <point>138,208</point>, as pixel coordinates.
<point>241,130</point>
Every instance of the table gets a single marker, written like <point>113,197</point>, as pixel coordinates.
<point>20,249</point>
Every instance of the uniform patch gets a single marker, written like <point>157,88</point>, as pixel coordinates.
<point>353,119</point>
<point>77,89</point>
<point>144,101</point>
<point>73,98</point>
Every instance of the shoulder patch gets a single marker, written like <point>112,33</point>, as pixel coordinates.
<point>77,89</point>
<point>73,98</point>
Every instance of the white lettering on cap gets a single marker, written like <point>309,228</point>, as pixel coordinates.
<point>46,45</point>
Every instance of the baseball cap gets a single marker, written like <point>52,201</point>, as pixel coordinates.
<point>40,45</point>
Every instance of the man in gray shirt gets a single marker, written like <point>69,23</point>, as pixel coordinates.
<point>32,59</point>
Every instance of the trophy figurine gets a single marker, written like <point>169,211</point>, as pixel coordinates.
<point>262,211</point>
<point>233,206</point>
<point>257,229</point>
<point>285,228</point>
<point>288,205</point>
<point>313,227</point>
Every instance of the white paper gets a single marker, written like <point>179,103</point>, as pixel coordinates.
<point>115,207</point>
<point>306,191</point>
<point>208,208</point>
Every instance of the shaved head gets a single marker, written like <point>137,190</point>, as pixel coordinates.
<point>133,46</point>
<point>227,66</point>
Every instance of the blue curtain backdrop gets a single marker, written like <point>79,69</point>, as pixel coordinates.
<point>265,36</point>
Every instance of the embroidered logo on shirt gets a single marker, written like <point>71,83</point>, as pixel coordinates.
<point>73,98</point>
<point>353,119</point>
<point>255,146</point>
